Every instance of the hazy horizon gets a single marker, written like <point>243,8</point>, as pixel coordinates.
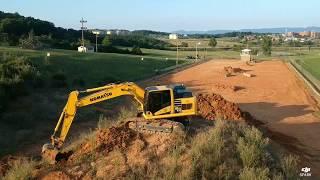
<point>168,16</point>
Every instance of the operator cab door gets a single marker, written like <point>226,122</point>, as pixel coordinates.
<point>158,100</point>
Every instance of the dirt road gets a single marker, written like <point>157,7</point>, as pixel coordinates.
<point>274,96</point>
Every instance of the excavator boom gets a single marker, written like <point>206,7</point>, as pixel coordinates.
<point>99,94</point>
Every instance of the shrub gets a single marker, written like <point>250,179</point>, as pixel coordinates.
<point>105,122</point>
<point>254,174</point>
<point>266,45</point>
<point>184,44</point>
<point>136,50</point>
<point>16,75</point>
<point>14,70</point>
<point>289,165</point>
<point>126,113</point>
<point>21,169</point>
<point>207,152</point>
<point>252,148</point>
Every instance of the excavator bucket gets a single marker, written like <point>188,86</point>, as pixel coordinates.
<point>49,153</point>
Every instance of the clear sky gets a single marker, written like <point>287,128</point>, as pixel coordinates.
<point>170,15</point>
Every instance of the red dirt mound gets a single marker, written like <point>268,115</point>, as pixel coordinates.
<point>213,106</point>
<point>106,140</point>
<point>114,137</point>
<point>231,70</point>
<point>56,175</point>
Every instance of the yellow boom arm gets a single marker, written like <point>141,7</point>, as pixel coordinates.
<point>99,94</point>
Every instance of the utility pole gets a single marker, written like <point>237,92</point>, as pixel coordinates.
<point>177,60</point>
<point>197,51</point>
<point>96,32</point>
<point>82,29</point>
<point>175,37</point>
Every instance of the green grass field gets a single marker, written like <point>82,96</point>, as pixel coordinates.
<point>92,67</point>
<point>311,62</point>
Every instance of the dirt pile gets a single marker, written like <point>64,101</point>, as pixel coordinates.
<point>56,175</point>
<point>231,70</point>
<point>213,106</point>
<point>112,153</point>
<point>114,137</point>
<point>106,140</point>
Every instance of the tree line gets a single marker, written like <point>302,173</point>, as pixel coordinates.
<point>28,32</point>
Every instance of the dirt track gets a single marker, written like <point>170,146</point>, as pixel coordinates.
<point>274,96</point>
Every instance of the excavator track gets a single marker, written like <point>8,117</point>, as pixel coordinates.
<point>163,126</point>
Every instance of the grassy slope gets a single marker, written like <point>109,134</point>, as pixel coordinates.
<point>311,62</point>
<point>35,114</point>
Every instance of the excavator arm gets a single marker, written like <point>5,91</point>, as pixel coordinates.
<point>98,95</point>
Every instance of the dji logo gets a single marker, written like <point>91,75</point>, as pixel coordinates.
<point>305,171</point>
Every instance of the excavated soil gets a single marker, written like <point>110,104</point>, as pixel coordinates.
<point>232,70</point>
<point>106,140</point>
<point>213,106</point>
<point>56,175</point>
<point>114,152</point>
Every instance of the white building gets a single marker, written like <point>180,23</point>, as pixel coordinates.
<point>173,36</point>
<point>89,49</point>
<point>246,55</point>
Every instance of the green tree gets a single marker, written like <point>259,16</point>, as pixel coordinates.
<point>106,41</point>
<point>136,50</point>
<point>213,42</point>
<point>184,44</point>
<point>266,45</point>
<point>31,42</point>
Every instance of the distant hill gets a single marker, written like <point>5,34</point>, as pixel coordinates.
<point>260,30</point>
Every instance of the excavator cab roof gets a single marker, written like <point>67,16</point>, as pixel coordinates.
<point>174,87</point>
<point>179,90</point>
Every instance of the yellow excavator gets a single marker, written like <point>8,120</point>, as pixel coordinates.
<point>160,106</point>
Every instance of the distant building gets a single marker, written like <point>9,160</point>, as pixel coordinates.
<point>173,36</point>
<point>246,55</point>
<point>291,34</point>
<point>305,34</point>
<point>315,35</point>
<point>108,32</point>
<point>85,49</point>
<point>250,37</point>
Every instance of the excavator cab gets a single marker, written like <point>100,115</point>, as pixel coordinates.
<point>168,102</point>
